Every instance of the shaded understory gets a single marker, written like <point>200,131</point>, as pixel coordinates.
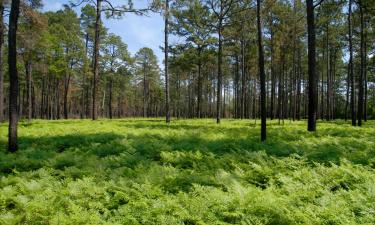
<point>190,172</point>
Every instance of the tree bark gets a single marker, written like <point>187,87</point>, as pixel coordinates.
<point>66,92</point>
<point>96,59</point>
<point>263,111</point>
<point>362,69</point>
<point>2,30</point>
<point>166,33</point>
<point>199,103</point>
<point>29,100</point>
<point>351,72</point>
<point>219,74</point>
<point>312,87</point>
<point>110,97</point>
<point>13,75</point>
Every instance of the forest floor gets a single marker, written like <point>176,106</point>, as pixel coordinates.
<point>140,171</point>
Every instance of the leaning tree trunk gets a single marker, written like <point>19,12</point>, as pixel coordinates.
<point>312,87</point>
<point>96,59</point>
<point>13,75</point>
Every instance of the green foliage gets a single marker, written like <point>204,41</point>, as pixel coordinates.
<point>140,171</point>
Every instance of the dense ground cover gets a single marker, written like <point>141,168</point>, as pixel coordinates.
<point>191,172</point>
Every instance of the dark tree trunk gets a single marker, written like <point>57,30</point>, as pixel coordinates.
<point>351,72</point>
<point>328,74</point>
<point>199,103</point>
<point>2,30</point>
<point>145,102</point>
<point>362,69</point>
<point>166,33</point>
<point>66,92</point>
<point>273,78</point>
<point>244,81</point>
<point>219,74</point>
<point>347,93</point>
<point>263,112</point>
<point>13,75</point>
<point>96,59</point>
<point>365,73</point>
<point>110,97</point>
<point>29,99</point>
<point>312,87</point>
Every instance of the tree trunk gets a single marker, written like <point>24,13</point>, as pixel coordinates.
<point>244,81</point>
<point>145,102</point>
<point>66,92</point>
<point>199,103</point>
<point>29,100</point>
<point>313,100</point>
<point>273,78</point>
<point>219,75</point>
<point>110,97</point>
<point>263,112</point>
<point>365,72</point>
<point>362,70</point>
<point>2,30</point>
<point>328,59</point>
<point>13,75</point>
<point>166,33</point>
<point>96,59</point>
<point>351,72</point>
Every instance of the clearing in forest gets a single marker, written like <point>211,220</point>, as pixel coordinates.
<point>142,171</point>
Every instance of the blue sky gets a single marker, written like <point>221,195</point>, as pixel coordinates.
<point>136,31</point>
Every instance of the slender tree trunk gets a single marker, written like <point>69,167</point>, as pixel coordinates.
<point>362,70</point>
<point>219,75</point>
<point>66,92</point>
<point>244,81</point>
<point>2,30</point>
<point>57,99</point>
<point>29,99</point>
<point>84,77</point>
<point>280,90</point>
<point>96,59</point>
<point>351,72</point>
<point>311,66</point>
<point>13,75</point>
<point>110,97</point>
<point>273,83</point>
<point>365,73</point>
<point>347,92</point>
<point>145,102</point>
<point>166,47</point>
<point>299,77</point>
<point>199,103</point>
<point>263,111</point>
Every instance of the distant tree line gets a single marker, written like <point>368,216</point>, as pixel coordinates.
<point>223,59</point>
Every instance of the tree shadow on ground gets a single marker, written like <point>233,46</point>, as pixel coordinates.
<point>76,150</point>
